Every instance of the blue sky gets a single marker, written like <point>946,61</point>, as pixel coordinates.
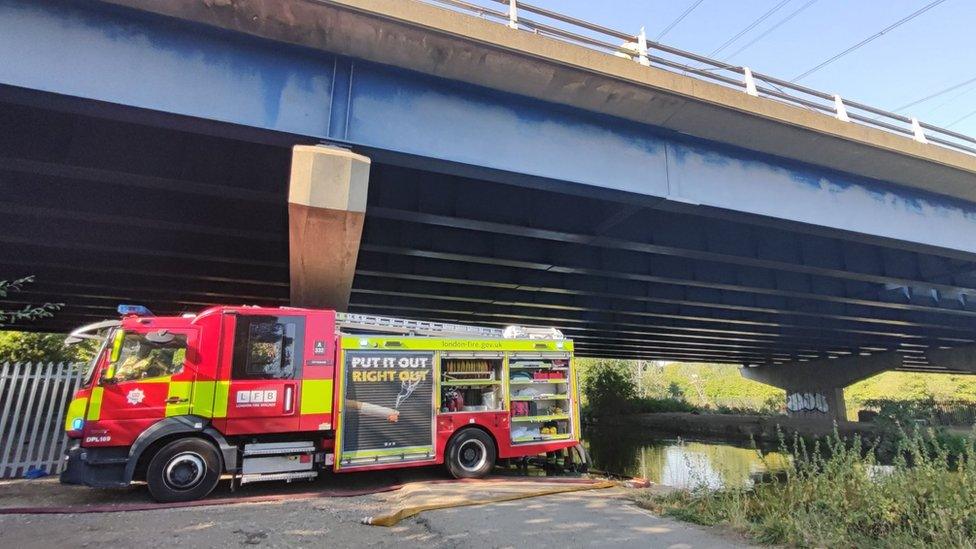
<point>932,52</point>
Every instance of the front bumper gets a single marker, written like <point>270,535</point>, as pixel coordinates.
<point>96,467</point>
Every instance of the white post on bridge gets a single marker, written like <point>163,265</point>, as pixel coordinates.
<point>513,14</point>
<point>642,48</point>
<point>918,133</point>
<point>840,109</point>
<point>749,81</point>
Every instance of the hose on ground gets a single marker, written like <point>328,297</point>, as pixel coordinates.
<point>393,518</point>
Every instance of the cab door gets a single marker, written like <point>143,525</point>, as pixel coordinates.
<point>265,372</point>
<point>151,378</point>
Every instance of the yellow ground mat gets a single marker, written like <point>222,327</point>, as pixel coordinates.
<point>417,497</point>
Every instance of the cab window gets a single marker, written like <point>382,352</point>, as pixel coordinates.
<point>145,356</point>
<point>267,347</point>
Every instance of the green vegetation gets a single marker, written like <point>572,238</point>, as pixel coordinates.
<point>624,386</point>
<point>28,312</point>
<point>39,347</point>
<point>607,385</point>
<point>835,494</point>
<point>933,398</point>
<point>652,387</point>
<point>911,386</point>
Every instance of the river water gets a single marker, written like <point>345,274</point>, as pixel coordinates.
<point>691,464</point>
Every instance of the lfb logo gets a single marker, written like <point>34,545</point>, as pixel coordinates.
<point>135,396</point>
<point>256,399</point>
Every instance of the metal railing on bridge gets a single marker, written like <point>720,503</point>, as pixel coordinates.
<point>33,401</point>
<point>518,15</point>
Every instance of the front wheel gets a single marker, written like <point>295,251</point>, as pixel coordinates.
<point>470,454</point>
<point>183,470</point>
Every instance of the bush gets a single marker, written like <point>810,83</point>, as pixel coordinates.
<point>648,405</point>
<point>835,494</point>
<point>38,347</point>
<point>607,387</point>
<point>927,411</point>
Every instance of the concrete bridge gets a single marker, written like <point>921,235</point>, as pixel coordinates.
<point>395,156</point>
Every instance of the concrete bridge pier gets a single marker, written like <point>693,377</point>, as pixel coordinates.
<point>326,209</point>
<point>816,389</point>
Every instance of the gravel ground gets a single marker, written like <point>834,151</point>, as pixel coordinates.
<point>599,518</point>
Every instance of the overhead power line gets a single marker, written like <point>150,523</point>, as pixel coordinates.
<point>771,29</point>
<point>749,27</point>
<point>966,91</point>
<point>936,94</point>
<point>871,38</point>
<point>960,119</point>
<point>680,18</point>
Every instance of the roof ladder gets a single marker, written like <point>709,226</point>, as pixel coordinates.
<point>352,321</point>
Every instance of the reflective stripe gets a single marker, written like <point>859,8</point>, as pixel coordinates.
<point>161,379</point>
<point>75,410</point>
<point>413,450</point>
<point>221,392</point>
<point>316,396</point>
<point>203,399</point>
<point>179,390</point>
<point>95,404</point>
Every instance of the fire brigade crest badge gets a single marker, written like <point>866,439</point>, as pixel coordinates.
<point>135,396</point>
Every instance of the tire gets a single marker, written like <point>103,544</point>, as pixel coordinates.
<point>183,470</point>
<point>470,454</point>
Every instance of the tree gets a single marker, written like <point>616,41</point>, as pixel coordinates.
<point>40,347</point>
<point>28,312</point>
<point>675,391</point>
<point>608,386</point>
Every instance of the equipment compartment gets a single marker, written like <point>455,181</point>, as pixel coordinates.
<point>542,397</point>
<point>471,382</point>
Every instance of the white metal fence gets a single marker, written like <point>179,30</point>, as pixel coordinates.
<point>522,16</point>
<point>33,400</point>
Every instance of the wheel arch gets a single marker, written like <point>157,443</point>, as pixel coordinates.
<point>164,431</point>
<point>482,428</point>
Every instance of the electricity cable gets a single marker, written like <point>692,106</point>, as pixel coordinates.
<point>771,29</point>
<point>751,26</point>
<point>936,94</point>
<point>952,99</point>
<point>958,120</point>
<point>869,39</point>
<point>680,18</point>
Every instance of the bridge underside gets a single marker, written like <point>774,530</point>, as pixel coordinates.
<point>178,215</point>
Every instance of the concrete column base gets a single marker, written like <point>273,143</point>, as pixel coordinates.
<point>326,209</point>
<point>817,403</point>
<point>816,389</point>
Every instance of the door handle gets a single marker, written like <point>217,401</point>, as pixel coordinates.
<point>289,399</point>
<point>176,400</point>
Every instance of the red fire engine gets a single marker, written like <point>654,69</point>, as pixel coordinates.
<point>284,393</point>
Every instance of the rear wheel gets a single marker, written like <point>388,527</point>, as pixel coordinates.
<point>470,454</point>
<point>183,470</point>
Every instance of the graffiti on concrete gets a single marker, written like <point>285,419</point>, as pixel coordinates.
<point>807,402</point>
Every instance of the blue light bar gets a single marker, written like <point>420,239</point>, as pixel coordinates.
<point>137,310</point>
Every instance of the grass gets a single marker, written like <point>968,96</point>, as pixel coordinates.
<point>835,494</point>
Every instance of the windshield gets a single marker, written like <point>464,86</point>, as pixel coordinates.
<point>150,355</point>
<point>90,367</point>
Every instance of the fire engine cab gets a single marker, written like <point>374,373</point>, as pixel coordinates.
<point>284,393</point>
